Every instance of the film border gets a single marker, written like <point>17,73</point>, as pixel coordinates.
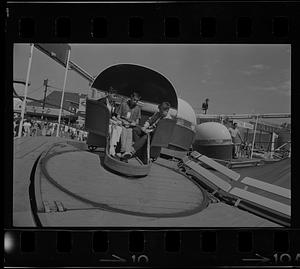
<point>154,17</point>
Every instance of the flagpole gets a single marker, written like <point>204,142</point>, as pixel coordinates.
<point>253,141</point>
<point>26,90</point>
<point>63,93</point>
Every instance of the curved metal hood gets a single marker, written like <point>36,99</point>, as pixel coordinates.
<point>126,78</point>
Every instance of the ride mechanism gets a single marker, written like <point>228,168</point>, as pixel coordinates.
<point>254,125</point>
<point>198,167</point>
<point>233,190</point>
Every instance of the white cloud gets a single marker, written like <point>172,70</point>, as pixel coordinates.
<point>287,84</point>
<point>206,73</point>
<point>283,88</point>
<point>255,69</point>
<point>286,87</point>
<point>248,73</point>
<point>260,67</point>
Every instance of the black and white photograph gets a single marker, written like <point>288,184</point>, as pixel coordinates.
<point>151,135</point>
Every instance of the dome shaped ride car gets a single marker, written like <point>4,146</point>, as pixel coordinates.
<point>184,130</point>
<point>213,140</point>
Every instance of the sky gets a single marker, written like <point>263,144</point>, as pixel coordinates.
<point>236,78</point>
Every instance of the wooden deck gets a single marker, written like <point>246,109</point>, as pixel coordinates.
<point>26,151</point>
<point>95,197</point>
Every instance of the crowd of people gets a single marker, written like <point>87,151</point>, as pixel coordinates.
<point>38,127</point>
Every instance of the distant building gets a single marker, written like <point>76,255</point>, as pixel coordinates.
<point>72,103</point>
<point>17,105</point>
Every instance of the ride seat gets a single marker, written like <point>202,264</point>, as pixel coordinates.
<point>161,136</point>
<point>97,123</point>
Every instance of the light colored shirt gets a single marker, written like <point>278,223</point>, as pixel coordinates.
<point>234,134</point>
<point>27,125</point>
<point>131,114</point>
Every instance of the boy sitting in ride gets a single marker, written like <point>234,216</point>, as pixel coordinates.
<point>115,128</point>
<point>129,114</point>
<point>140,134</point>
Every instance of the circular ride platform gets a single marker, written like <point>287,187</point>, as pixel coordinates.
<point>162,193</point>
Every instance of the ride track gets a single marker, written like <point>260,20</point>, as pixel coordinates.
<point>37,201</point>
<point>281,217</point>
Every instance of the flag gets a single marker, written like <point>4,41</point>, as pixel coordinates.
<point>58,52</point>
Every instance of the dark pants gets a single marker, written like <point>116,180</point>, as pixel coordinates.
<point>139,138</point>
<point>233,151</point>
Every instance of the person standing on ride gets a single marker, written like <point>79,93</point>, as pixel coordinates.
<point>140,133</point>
<point>130,114</point>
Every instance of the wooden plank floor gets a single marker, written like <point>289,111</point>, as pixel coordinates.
<point>26,151</point>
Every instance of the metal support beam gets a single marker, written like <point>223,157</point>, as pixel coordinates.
<point>245,116</point>
<point>253,140</point>
<point>81,71</point>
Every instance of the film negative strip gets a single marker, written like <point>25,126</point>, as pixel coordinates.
<point>85,187</point>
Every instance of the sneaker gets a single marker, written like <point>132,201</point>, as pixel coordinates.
<point>112,152</point>
<point>119,154</point>
<point>124,160</point>
<point>126,155</point>
<point>115,157</point>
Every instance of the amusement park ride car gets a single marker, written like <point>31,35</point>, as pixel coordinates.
<point>154,89</point>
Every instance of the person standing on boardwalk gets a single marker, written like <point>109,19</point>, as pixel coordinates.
<point>44,130</point>
<point>34,129</point>
<point>235,133</point>
<point>27,126</point>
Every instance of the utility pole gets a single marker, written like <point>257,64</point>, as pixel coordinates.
<point>45,94</point>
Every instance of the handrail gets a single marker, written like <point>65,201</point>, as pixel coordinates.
<point>148,148</point>
<point>245,116</point>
